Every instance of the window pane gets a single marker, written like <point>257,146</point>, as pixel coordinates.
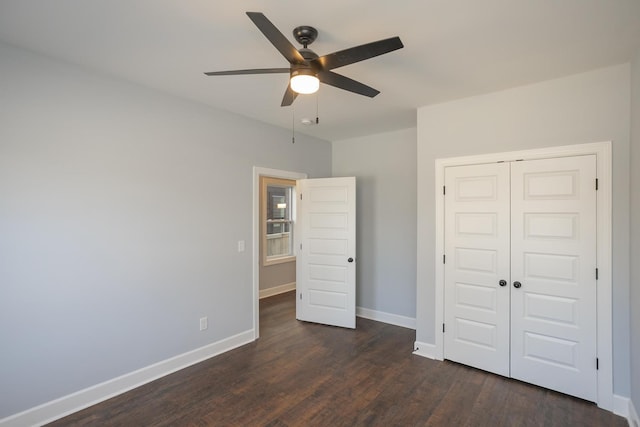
<point>279,205</point>
<point>279,226</point>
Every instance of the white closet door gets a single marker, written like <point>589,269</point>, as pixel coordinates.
<point>553,263</point>
<point>477,259</point>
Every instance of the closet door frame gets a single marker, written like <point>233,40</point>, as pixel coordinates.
<point>602,151</point>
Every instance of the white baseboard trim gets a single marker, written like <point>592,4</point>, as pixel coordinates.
<point>633,418</point>
<point>621,405</point>
<point>381,316</point>
<point>82,399</point>
<point>269,292</point>
<point>425,350</point>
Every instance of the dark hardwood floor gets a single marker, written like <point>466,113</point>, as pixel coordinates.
<point>300,374</point>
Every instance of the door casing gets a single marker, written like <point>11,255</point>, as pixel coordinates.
<point>602,150</point>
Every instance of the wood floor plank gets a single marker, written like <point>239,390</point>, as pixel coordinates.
<point>303,374</point>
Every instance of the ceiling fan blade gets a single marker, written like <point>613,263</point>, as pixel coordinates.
<point>358,53</point>
<point>250,71</point>
<point>289,97</point>
<point>276,38</point>
<point>342,82</point>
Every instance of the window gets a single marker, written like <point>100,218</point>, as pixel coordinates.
<point>278,196</point>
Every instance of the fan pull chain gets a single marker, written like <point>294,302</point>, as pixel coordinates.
<point>317,115</point>
<point>293,125</point>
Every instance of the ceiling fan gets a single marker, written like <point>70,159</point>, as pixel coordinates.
<point>307,69</point>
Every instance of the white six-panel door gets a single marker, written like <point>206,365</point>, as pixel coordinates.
<point>477,259</point>
<point>553,259</point>
<point>531,224</point>
<point>325,259</point>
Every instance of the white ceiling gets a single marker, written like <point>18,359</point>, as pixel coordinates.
<point>453,49</point>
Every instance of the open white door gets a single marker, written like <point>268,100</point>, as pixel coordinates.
<point>326,251</point>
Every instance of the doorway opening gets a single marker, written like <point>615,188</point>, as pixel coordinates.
<point>325,246</point>
<point>278,262</point>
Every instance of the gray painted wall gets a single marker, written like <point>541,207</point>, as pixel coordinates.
<point>589,107</point>
<point>120,212</point>
<point>276,275</point>
<point>634,301</point>
<point>385,169</point>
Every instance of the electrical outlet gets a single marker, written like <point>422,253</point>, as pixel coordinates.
<point>240,245</point>
<point>203,323</point>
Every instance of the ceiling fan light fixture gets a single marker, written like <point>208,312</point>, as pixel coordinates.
<point>304,81</point>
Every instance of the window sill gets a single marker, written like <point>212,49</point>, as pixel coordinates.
<point>282,260</point>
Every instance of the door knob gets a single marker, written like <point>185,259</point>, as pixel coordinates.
<point>517,284</point>
<point>350,259</point>
<point>503,283</point>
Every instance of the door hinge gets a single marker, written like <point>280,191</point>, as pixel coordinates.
<point>300,196</point>
<point>597,363</point>
<point>443,328</point>
<point>444,190</point>
<point>444,259</point>
<point>300,246</point>
<point>596,184</point>
<point>300,296</point>
<point>596,274</point>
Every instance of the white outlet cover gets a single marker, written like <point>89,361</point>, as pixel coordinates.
<point>241,246</point>
<point>203,323</point>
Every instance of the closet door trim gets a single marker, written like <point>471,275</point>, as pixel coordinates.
<point>602,150</point>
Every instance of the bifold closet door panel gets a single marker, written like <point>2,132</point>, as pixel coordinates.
<point>553,265</point>
<point>477,260</point>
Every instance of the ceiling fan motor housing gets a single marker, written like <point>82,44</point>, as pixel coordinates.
<point>308,54</point>
<point>308,68</point>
